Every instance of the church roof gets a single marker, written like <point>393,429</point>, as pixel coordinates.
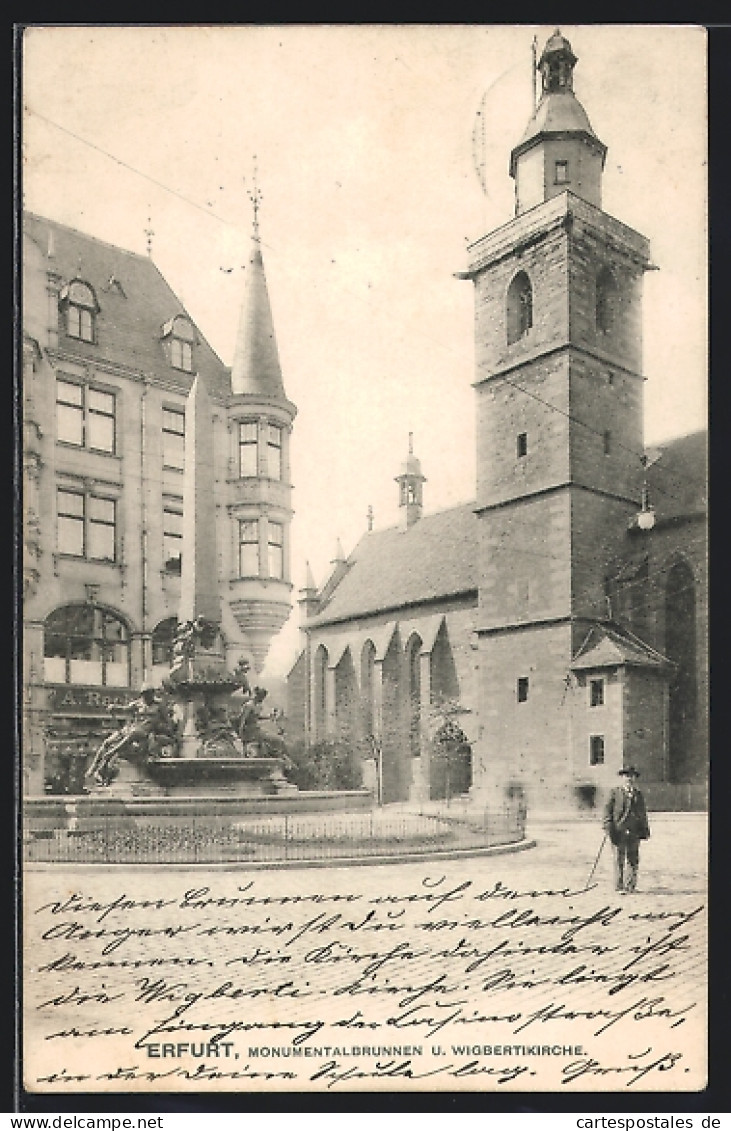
<point>677,477</point>
<point>559,112</point>
<point>135,304</point>
<point>435,558</point>
<point>608,646</point>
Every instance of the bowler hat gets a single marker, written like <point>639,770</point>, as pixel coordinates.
<point>630,772</point>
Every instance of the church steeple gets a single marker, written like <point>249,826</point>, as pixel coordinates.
<point>256,368</point>
<point>559,150</point>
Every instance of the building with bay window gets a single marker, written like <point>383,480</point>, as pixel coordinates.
<point>109,357</point>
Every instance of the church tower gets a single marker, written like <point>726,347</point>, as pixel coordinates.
<point>558,294</point>
<point>260,486</point>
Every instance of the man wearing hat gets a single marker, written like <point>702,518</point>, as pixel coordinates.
<point>625,823</point>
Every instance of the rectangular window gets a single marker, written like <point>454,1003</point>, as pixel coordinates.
<point>562,172</point>
<point>276,549</point>
<point>101,528</point>
<point>79,323</point>
<point>87,525</point>
<point>85,416</point>
<point>274,452</point>
<point>71,523</point>
<point>596,692</point>
<point>522,444</point>
<point>596,750</point>
<point>172,538</point>
<point>173,438</point>
<point>181,355</point>
<point>248,444</point>
<point>607,443</point>
<point>522,688</point>
<point>100,420</point>
<point>248,549</point>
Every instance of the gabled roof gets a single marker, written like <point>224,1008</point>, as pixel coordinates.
<point>609,646</point>
<point>435,558</point>
<point>135,302</point>
<point>677,478</point>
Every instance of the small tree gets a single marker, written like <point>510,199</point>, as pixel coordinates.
<point>449,742</point>
<point>327,765</point>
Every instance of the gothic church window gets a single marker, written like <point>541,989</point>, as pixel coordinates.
<point>519,311</point>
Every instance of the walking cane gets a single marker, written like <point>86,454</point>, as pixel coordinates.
<point>593,870</point>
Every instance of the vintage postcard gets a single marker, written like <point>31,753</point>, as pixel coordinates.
<point>365,672</point>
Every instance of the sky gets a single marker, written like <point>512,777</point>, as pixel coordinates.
<point>364,144</point>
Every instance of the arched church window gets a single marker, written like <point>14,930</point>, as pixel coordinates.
<point>519,313</point>
<point>367,683</point>
<point>413,658</point>
<point>85,644</point>
<point>607,301</point>
<point>320,692</point>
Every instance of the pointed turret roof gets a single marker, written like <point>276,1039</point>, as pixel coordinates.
<point>256,369</point>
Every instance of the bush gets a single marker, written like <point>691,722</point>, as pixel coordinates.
<point>325,765</point>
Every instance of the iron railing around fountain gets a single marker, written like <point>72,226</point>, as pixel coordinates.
<point>217,838</point>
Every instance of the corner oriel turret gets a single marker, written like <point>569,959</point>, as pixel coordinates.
<point>260,424</point>
<point>559,150</point>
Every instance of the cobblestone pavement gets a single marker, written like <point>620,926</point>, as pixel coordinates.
<point>304,967</point>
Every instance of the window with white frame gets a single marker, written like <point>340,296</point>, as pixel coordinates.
<point>248,548</point>
<point>178,337</point>
<point>248,448</point>
<point>275,544</point>
<point>596,692</point>
<point>596,750</point>
<point>86,644</point>
<point>85,416</point>
<point>87,525</point>
<point>79,307</point>
<point>173,438</point>
<point>274,452</point>
<point>172,536</point>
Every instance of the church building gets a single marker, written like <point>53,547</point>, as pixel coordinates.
<point>559,619</point>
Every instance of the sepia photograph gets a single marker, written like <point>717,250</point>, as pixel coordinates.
<point>364,712</point>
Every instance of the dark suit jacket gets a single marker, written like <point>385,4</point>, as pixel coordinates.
<point>621,816</point>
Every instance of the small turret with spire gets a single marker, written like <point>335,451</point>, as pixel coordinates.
<point>260,421</point>
<point>410,483</point>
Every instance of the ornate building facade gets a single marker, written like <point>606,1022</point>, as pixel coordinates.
<point>109,358</point>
